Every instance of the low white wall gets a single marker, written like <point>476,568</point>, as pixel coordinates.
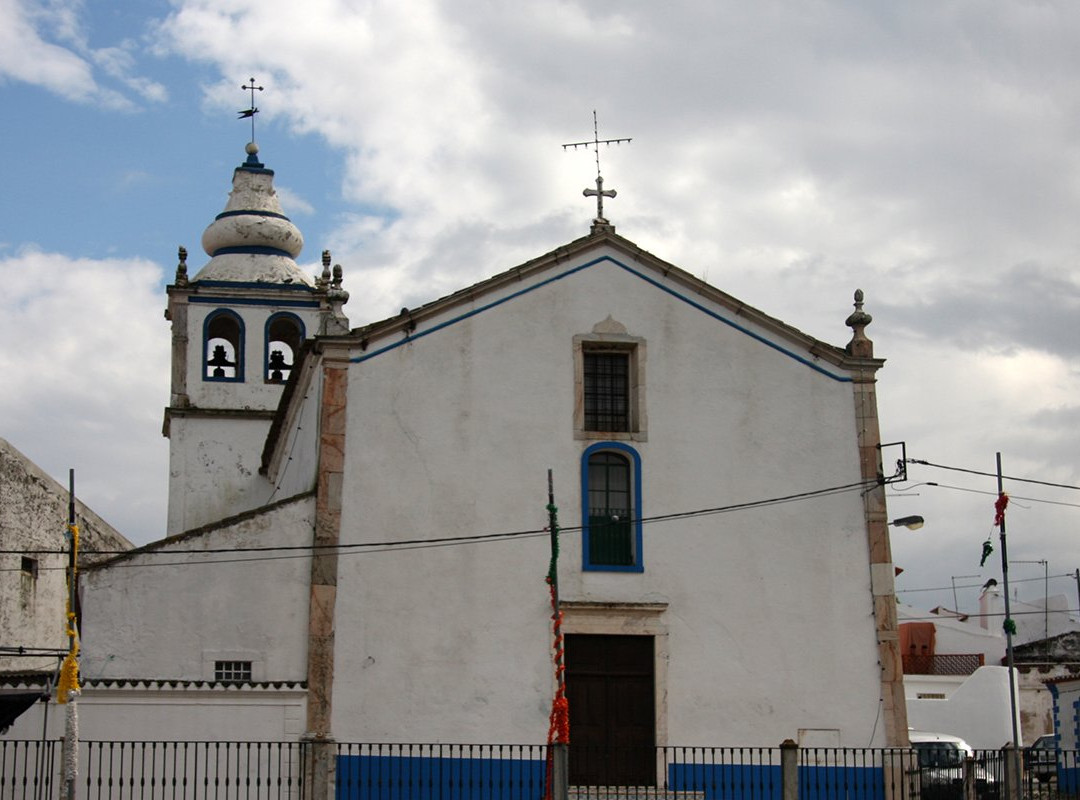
<point>975,708</point>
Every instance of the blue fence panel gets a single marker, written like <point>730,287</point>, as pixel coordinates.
<point>727,781</point>
<point>391,777</point>
<point>841,782</point>
<point>763,782</point>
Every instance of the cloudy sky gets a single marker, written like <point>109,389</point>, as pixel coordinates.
<point>786,152</point>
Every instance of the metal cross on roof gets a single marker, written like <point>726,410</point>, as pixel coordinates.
<point>599,192</point>
<point>252,111</point>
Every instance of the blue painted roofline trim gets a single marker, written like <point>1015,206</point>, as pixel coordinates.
<point>256,250</point>
<point>242,213</point>
<point>246,301</point>
<point>289,287</point>
<point>586,265</point>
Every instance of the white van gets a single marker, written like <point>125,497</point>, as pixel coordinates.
<point>941,767</point>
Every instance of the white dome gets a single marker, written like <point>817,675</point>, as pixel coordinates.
<point>252,241</point>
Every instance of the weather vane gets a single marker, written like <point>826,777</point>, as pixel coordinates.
<point>251,112</point>
<point>599,192</point>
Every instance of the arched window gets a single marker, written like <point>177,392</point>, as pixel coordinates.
<point>223,346</point>
<point>611,513</point>
<point>284,333</point>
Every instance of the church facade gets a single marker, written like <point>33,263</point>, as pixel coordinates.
<point>359,523</point>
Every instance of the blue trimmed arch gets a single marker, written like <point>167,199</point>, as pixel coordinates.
<point>284,331</point>
<point>611,535</point>
<point>223,346</point>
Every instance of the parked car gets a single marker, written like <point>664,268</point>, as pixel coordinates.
<point>941,767</point>
<point>1040,759</point>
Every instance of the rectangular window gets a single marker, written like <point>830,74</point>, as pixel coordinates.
<point>30,567</point>
<point>607,391</point>
<point>232,670</point>
<point>609,385</point>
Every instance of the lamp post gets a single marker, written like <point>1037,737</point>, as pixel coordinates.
<point>912,523</point>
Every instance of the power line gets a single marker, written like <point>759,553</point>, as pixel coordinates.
<point>1069,575</point>
<point>992,474</point>
<point>993,494</point>
<point>415,544</point>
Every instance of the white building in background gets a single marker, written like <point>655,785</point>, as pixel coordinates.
<point>1038,619</point>
<point>949,659</point>
<point>357,548</point>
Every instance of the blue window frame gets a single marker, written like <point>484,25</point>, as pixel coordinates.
<point>611,508</point>
<point>223,346</point>
<point>283,335</point>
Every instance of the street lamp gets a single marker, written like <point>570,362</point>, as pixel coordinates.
<point>912,523</point>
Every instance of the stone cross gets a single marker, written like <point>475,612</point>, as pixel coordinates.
<point>599,192</point>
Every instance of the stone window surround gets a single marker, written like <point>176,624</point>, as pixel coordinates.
<point>610,335</point>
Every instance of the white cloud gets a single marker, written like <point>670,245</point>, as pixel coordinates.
<point>86,378</point>
<point>43,44</point>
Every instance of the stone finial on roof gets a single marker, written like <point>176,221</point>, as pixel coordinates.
<point>859,346</point>
<point>335,322</point>
<point>181,266</point>
<point>324,279</point>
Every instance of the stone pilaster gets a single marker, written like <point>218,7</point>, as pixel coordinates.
<point>324,566</point>
<point>882,571</point>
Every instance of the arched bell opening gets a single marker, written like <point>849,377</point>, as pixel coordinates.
<point>223,347</point>
<point>284,333</point>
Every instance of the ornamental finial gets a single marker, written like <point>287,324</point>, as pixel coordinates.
<point>181,266</point>
<point>859,345</point>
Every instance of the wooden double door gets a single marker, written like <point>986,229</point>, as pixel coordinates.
<point>611,688</point>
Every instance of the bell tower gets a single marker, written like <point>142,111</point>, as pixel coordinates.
<point>237,330</point>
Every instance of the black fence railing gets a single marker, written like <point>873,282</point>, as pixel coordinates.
<point>28,770</point>
<point>284,771</point>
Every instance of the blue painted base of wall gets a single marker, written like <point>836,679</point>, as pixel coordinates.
<point>365,777</point>
<point>433,778</point>
<point>763,782</point>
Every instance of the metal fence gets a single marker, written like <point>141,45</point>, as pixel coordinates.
<point>31,770</point>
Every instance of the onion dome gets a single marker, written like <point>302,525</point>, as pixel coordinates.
<point>252,241</point>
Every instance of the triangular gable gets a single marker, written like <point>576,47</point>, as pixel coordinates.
<point>668,278</point>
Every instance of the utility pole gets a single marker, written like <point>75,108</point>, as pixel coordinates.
<point>1009,625</point>
<point>559,728</point>
<point>1077,576</point>
<point>68,685</point>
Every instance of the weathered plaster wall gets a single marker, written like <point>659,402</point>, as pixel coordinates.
<point>236,714</point>
<point>157,614</point>
<point>214,469</point>
<point>452,434</point>
<point>34,516</point>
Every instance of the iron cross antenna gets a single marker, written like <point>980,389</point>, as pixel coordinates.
<point>599,192</point>
<point>251,112</point>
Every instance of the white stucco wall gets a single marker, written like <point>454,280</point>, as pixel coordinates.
<point>214,469</point>
<point>1032,617</point>
<point>769,618</point>
<point>173,714</point>
<point>155,615</point>
<point>976,707</point>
